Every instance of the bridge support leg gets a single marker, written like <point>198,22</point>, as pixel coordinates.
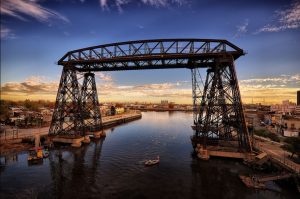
<point>66,119</point>
<point>90,105</point>
<point>219,117</point>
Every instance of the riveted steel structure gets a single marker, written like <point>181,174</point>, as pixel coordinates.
<point>67,118</point>
<point>90,105</point>
<point>218,112</point>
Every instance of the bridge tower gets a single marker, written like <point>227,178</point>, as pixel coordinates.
<point>67,119</point>
<point>218,111</point>
<point>76,109</point>
<point>90,104</point>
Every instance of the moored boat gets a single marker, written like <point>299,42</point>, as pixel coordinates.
<point>35,154</point>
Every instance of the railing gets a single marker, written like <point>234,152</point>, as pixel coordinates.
<point>284,161</point>
<point>8,134</point>
<point>293,166</point>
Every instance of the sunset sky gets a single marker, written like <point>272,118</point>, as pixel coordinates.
<point>36,33</point>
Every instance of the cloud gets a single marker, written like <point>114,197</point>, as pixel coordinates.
<point>286,19</point>
<point>104,77</point>
<point>146,92</point>
<point>34,84</point>
<point>242,29</point>
<point>270,90</point>
<point>286,81</point>
<point>154,86</point>
<point>105,4</point>
<point>22,8</point>
<point>38,87</point>
<point>266,90</point>
<point>7,33</point>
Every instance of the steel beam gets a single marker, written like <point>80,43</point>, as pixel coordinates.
<point>90,109</point>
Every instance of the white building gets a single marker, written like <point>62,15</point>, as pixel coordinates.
<point>292,126</point>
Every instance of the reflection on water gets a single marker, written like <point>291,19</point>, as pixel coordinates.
<point>113,168</point>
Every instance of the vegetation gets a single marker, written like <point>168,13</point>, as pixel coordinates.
<point>292,145</point>
<point>28,104</point>
<point>267,134</point>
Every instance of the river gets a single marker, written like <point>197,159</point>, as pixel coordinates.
<point>113,167</point>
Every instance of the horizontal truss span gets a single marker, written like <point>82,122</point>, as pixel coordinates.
<point>150,54</point>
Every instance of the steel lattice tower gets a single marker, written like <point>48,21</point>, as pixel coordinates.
<point>219,116</point>
<point>90,104</point>
<point>67,119</point>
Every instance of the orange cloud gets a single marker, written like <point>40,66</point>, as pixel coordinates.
<point>267,90</point>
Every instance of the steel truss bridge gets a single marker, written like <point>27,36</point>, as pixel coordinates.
<point>218,111</point>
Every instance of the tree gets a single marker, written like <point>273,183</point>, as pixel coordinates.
<point>4,110</point>
<point>292,145</point>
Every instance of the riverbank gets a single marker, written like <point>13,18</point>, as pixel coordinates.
<point>163,109</point>
<point>107,121</point>
<point>12,140</point>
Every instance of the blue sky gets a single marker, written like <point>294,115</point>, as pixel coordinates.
<point>35,34</point>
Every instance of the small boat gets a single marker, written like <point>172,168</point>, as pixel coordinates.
<point>152,162</point>
<point>35,155</point>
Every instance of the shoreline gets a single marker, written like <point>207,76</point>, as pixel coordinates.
<point>163,110</point>
<point>15,143</point>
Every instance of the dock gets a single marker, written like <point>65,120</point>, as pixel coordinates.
<point>271,151</point>
<point>258,182</point>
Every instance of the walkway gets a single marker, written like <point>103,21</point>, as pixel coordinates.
<point>278,154</point>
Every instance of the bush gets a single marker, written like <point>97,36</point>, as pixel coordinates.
<point>266,134</point>
<point>292,144</point>
<point>274,137</point>
<point>261,132</point>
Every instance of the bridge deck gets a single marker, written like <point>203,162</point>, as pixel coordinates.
<point>150,54</point>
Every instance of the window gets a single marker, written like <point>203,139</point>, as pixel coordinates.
<point>292,126</point>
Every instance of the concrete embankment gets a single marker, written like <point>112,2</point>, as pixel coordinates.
<point>111,121</point>
<point>11,135</point>
<point>11,140</point>
<point>163,109</point>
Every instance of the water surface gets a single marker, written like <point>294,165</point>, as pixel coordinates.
<point>113,167</point>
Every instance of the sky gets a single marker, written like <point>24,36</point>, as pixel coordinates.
<point>35,34</point>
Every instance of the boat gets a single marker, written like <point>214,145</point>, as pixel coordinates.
<point>35,155</point>
<point>152,162</point>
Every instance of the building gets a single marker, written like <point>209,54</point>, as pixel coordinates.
<point>46,115</point>
<point>171,105</point>
<point>120,110</point>
<point>164,102</point>
<point>286,107</point>
<point>298,98</point>
<point>297,110</point>
<point>291,126</point>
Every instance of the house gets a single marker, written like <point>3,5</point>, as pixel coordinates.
<point>291,126</point>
